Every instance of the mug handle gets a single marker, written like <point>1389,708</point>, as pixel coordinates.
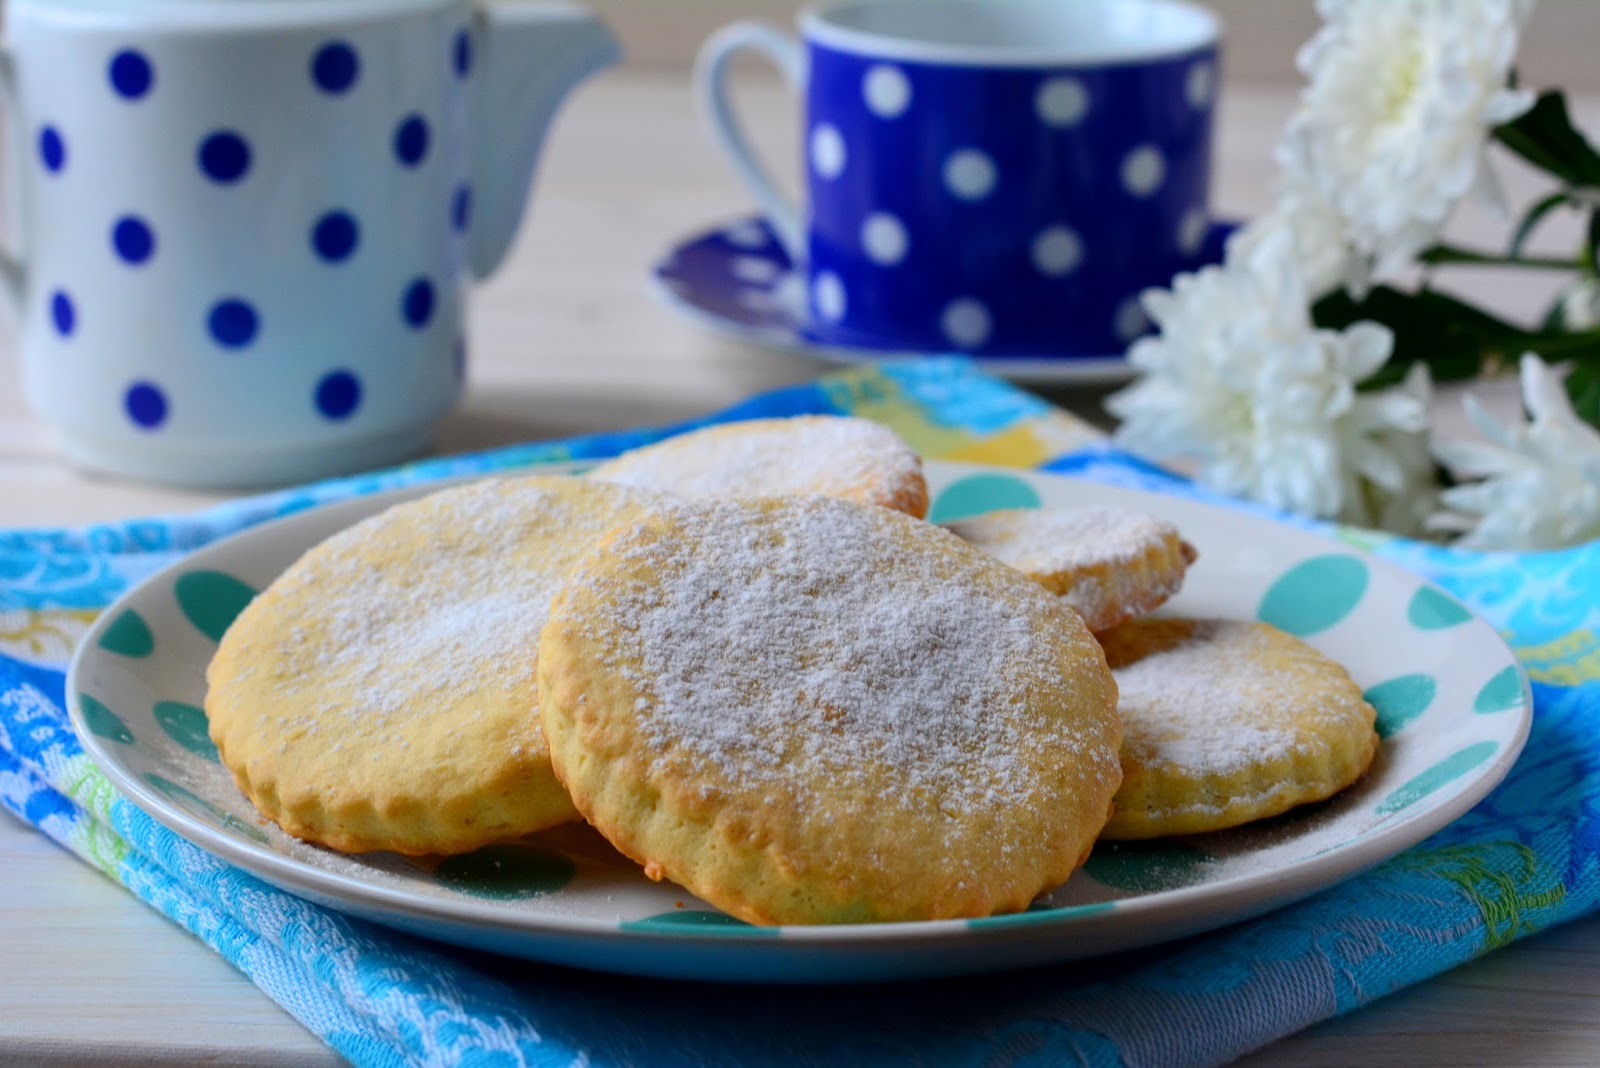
<point>711,84</point>
<point>13,273</point>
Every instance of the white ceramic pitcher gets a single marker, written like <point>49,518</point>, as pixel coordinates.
<point>248,226</point>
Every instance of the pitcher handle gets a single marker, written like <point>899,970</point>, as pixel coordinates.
<point>13,272</point>
<point>533,53</point>
<point>711,84</point>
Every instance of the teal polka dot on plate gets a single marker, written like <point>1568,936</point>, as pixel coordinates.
<point>1501,693</point>
<point>104,722</point>
<point>1432,610</point>
<point>1314,594</point>
<point>1401,700</point>
<point>211,600</point>
<point>1441,774</point>
<point>977,494</point>
<point>128,635</point>
<point>1147,867</point>
<point>188,726</point>
<point>697,921</point>
<point>507,872</point>
<point>199,806</point>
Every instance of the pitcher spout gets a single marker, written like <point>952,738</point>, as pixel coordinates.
<point>533,54</point>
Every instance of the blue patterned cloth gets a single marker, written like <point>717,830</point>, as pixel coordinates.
<point>1523,860</point>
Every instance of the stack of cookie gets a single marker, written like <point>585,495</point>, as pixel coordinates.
<point>745,657</point>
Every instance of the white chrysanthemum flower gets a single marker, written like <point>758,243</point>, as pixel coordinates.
<point>1390,434</point>
<point>1541,480</point>
<point>1317,232</point>
<point>1240,382</point>
<point>1393,124</point>
<point>1578,305</point>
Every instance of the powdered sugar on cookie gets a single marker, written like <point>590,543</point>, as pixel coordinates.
<point>382,693</point>
<point>838,456</point>
<point>808,710</point>
<point>1206,706</point>
<point>1109,564</point>
<point>830,650</point>
<point>1227,722</point>
<point>456,618</point>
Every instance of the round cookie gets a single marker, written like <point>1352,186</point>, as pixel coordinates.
<point>832,455</point>
<point>380,694</point>
<point>806,710</point>
<point>1228,722</point>
<point>1110,564</point>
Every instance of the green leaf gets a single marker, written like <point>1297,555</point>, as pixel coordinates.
<point>1555,316</point>
<point>1591,245</point>
<point>1531,220</point>
<point>1583,387</point>
<point>1564,344</point>
<point>1545,136</point>
<point>1451,337</point>
<point>1401,310</point>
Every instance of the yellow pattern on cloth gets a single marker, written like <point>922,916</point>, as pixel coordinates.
<point>1569,660</point>
<point>43,635</point>
<point>1026,442</point>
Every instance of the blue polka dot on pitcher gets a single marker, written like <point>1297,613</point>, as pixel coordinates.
<point>233,323</point>
<point>63,313</point>
<point>417,306</point>
<point>52,150</point>
<point>338,395</point>
<point>131,74</point>
<point>224,156</point>
<point>146,405</point>
<point>133,240</point>
<point>335,67</point>
<point>411,140</point>
<point>335,236</point>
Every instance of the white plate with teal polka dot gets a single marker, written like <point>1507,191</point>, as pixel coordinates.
<point>1453,711</point>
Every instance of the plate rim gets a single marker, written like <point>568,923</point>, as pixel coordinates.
<point>1241,895</point>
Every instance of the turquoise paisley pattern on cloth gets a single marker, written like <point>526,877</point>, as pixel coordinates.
<point>1526,858</point>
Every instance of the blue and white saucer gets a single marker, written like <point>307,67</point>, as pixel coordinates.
<point>737,280</point>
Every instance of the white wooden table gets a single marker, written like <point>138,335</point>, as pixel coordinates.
<point>567,339</point>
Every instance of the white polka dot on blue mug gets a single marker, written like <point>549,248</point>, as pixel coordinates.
<point>252,226</point>
<point>993,177</point>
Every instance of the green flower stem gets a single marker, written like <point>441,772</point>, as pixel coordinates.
<point>1591,245</point>
<point>1449,254</point>
<point>1582,344</point>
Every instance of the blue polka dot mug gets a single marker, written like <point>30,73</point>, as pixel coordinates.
<point>994,177</point>
<point>248,226</point>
